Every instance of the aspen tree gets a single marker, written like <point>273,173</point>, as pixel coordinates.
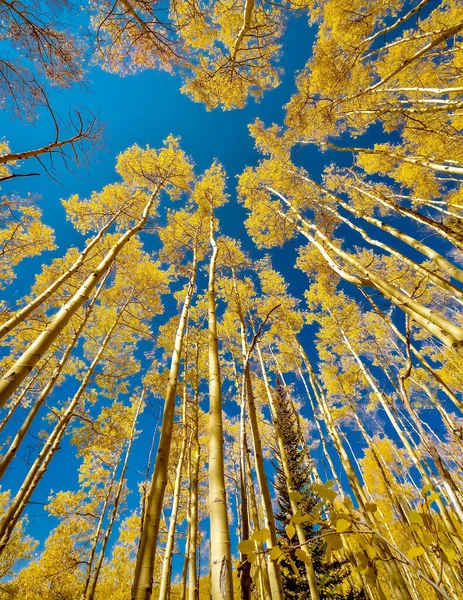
<point>299,531</point>
<point>391,566</point>
<point>270,233</point>
<point>167,562</point>
<point>51,446</point>
<point>235,257</point>
<point>143,578</point>
<point>211,196</point>
<point>22,235</point>
<point>23,430</point>
<point>117,499</point>
<point>24,312</point>
<point>143,167</point>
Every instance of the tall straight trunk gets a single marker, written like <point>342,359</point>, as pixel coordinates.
<point>401,506</point>
<point>144,569</point>
<point>186,557</point>
<point>450,334</point>
<point>446,232</point>
<point>23,366</point>
<point>273,568</point>
<point>22,431</point>
<point>425,364</point>
<point>392,568</point>
<point>117,499</point>
<point>357,579</point>
<point>449,524</point>
<point>436,278</point>
<point>446,266</point>
<point>321,435</point>
<point>265,590</point>
<point>274,573</point>
<point>167,562</point>
<point>21,395</point>
<point>245,566</point>
<point>193,584</point>
<point>98,530</point>
<point>38,468</point>
<point>220,554</point>
<point>24,312</point>
<point>309,568</point>
<point>451,487</point>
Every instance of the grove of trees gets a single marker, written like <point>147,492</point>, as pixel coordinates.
<point>293,444</point>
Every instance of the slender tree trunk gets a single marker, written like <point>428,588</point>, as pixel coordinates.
<point>245,566</point>
<point>117,499</point>
<point>424,363</point>
<point>450,334</point>
<point>220,554</point>
<point>22,431</point>
<point>392,568</point>
<point>144,569</point>
<point>18,401</point>
<point>38,468</point>
<point>193,585</point>
<point>97,534</point>
<point>24,312</point>
<point>23,366</point>
<point>310,572</point>
<point>449,524</point>
<point>273,568</point>
<point>265,590</point>
<point>166,564</point>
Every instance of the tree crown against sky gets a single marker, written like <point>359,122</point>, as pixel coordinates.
<point>258,253</point>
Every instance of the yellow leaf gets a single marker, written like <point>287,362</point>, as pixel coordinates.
<point>415,552</point>
<point>252,557</point>
<point>290,531</point>
<point>371,507</point>
<point>246,546</point>
<point>261,535</point>
<point>342,525</point>
<point>302,555</point>
<point>426,489</point>
<point>348,502</point>
<point>432,497</point>
<point>296,496</point>
<point>275,553</point>
<point>415,517</point>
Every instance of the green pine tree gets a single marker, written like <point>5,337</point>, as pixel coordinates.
<point>330,576</point>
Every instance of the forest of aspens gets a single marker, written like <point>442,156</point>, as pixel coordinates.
<point>231,278</point>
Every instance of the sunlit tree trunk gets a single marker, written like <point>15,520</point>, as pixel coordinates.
<point>193,585</point>
<point>117,499</point>
<point>23,366</point>
<point>245,566</point>
<point>42,461</point>
<point>424,363</point>
<point>265,591</point>
<point>22,431</point>
<point>144,569</point>
<point>273,568</point>
<point>166,564</point>
<point>220,554</point>
<point>449,524</point>
<point>392,568</point>
<point>451,335</point>
<point>24,312</point>
<point>310,572</point>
